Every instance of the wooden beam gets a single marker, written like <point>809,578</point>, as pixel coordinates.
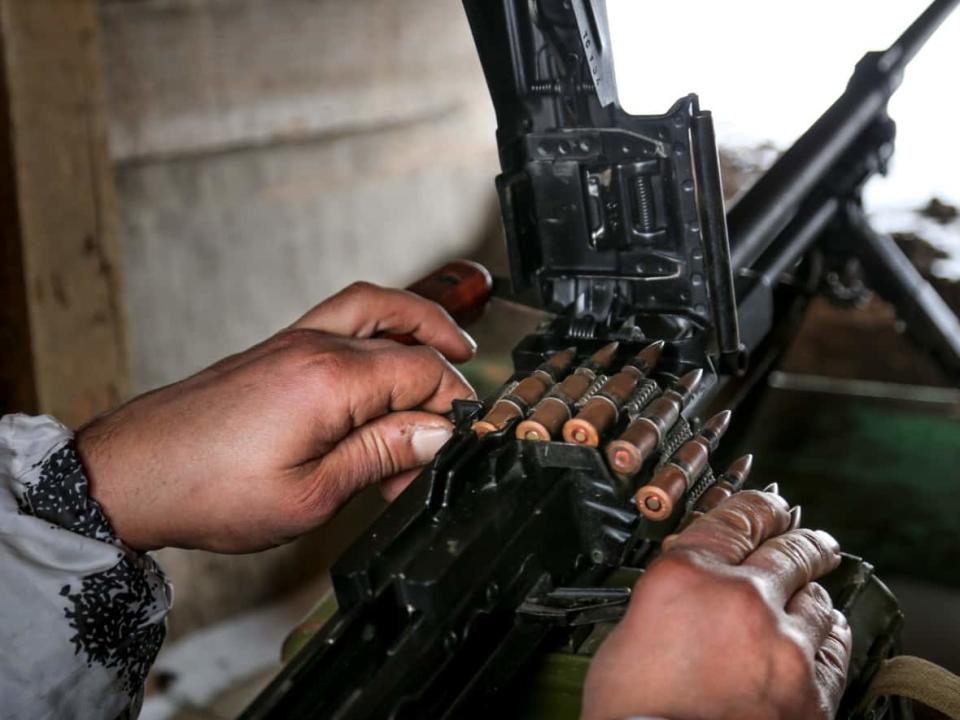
<point>61,319</point>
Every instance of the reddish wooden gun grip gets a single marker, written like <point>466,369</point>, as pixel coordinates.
<point>461,287</point>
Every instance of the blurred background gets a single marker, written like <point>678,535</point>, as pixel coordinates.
<point>185,177</point>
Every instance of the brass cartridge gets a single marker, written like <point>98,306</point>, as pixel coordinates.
<point>556,408</point>
<point>658,498</point>
<point>516,401</point>
<point>603,409</point>
<point>644,435</point>
<point>729,483</point>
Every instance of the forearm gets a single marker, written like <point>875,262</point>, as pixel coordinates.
<point>83,615</point>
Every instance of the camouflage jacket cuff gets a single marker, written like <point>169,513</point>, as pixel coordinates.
<point>83,614</point>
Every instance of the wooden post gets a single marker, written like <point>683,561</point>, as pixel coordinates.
<point>62,341</point>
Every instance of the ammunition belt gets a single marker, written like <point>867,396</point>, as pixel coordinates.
<point>594,388</point>
<point>518,402</point>
<point>557,394</point>
<point>508,396</point>
<point>702,484</point>
<point>677,436</point>
<point>646,391</point>
<point>680,433</point>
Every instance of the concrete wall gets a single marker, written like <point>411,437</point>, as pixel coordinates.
<point>267,153</point>
<point>270,151</point>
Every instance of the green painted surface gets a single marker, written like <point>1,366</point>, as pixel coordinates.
<point>555,688</point>
<point>881,475</point>
<point>309,626</point>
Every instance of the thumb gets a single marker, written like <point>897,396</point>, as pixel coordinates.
<point>382,448</point>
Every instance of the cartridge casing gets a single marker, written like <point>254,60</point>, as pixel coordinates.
<point>526,393</point>
<point>603,410</point>
<point>516,402</point>
<point>658,498</point>
<point>556,408</point>
<point>731,482</point>
<point>643,436</point>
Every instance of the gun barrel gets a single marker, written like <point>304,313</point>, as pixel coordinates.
<point>902,51</point>
<point>766,209</point>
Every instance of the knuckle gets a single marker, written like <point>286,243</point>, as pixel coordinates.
<point>820,542</point>
<point>423,360</point>
<point>745,591</point>
<point>429,354</point>
<point>361,287</point>
<point>299,350</point>
<point>331,365</point>
<point>833,653</point>
<point>829,543</point>
<point>432,361</point>
<point>842,632</point>
<point>749,512</point>
<point>378,459</point>
<point>419,358</point>
<point>796,549</point>
<point>820,596</point>
<point>761,504</point>
<point>438,313</point>
<point>840,621</point>
<point>294,339</point>
<point>680,567</point>
<point>735,518</point>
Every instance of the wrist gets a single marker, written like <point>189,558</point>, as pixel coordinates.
<point>109,477</point>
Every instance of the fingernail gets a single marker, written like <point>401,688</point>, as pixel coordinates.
<point>828,540</point>
<point>469,340</point>
<point>772,488</point>
<point>794,517</point>
<point>427,440</point>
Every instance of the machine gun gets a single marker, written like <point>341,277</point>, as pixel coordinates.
<point>517,540</point>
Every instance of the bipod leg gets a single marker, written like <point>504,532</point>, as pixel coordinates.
<point>929,320</point>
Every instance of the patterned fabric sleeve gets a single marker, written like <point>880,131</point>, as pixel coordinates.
<point>82,615</point>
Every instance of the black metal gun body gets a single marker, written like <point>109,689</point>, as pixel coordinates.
<point>616,222</point>
<point>429,625</point>
<point>810,198</point>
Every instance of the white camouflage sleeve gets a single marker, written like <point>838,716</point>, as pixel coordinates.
<point>82,615</point>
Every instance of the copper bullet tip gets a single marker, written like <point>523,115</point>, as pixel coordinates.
<point>562,359</point>
<point>650,355</point>
<point>690,381</point>
<point>719,423</point>
<point>604,356</point>
<point>740,468</point>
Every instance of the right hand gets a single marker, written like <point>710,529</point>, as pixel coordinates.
<point>269,443</point>
<point>727,624</point>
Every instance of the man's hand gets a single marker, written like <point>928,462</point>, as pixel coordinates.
<point>728,625</point>
<point>269,443</point>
